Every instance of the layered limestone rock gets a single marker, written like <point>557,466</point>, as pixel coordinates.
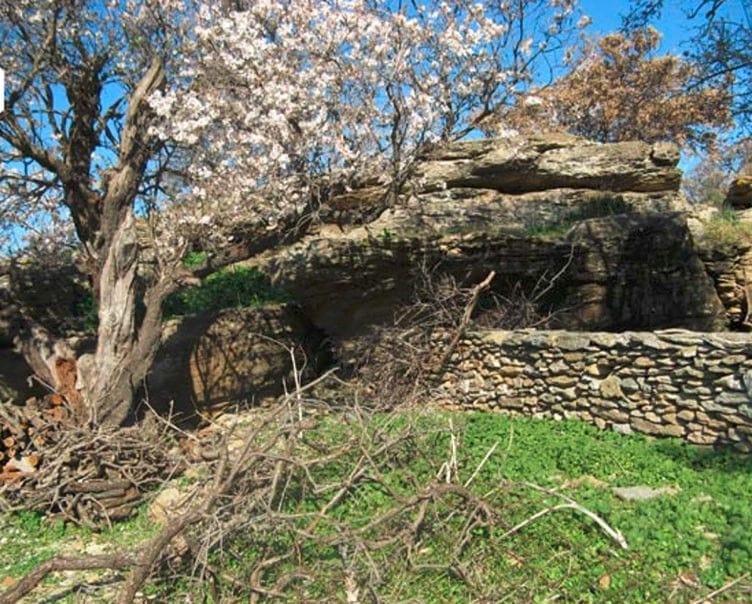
<point>236,355</point>
<point>731,271</point>
<point>603,222</point>
<point>552,161</point>
<point>724,244</point>
<point>639,271</point>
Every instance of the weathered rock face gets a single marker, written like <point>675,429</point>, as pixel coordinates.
<point>551,162</point>
<point>731,272</point>
<point>727,256</point>
<point>510,206</point>
<point>237,355</point>
<point>740,193</point>
<point>638,270</point>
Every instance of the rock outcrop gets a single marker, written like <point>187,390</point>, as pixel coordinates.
<point>556,161</point>
<point>601,229</point>
<point>604,221</point>
<point>236,355</point>
<point>731,271</point>
<point>638,271</point>
<point>724,243</point>
<point>739,194</point>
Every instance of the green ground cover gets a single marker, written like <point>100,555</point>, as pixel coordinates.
<point>682,545</point>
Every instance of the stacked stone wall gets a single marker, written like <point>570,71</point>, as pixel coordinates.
<point>697,386</point>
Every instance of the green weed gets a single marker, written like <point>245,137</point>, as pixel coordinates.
<point>549,231</point>
<point>28,539</point>
<point>702,532</point>
<point>235,287</point>
<point>194,259</point>
<point>595,208</point>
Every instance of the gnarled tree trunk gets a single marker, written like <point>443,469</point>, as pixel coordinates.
<point>127,337</point>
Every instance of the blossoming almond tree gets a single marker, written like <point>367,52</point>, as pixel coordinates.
<point>292,90</point>
<point>171,120</point>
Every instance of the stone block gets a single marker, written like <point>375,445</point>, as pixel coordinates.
<point>733,360</point>
<point>655,429</point>
<point>611,387</point>
<point>234,355</point>
<point>729,382</point>
<point>598,370</point>
<point>571,341</point>
<point>563,380</point>
<point>643,362</point>
<point>712,406</point>
<point>734,398</point>
<point>701,438</point>
<point>616,416</point>
<point>688,352</point>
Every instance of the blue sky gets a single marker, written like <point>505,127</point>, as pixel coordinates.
<point>673,24</point>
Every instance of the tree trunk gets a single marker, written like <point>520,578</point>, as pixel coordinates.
<point>126,345</point>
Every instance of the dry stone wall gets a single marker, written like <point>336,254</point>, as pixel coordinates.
<point>697,386</point>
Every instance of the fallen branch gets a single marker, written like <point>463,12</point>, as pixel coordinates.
<point>465,320</point>
<point>570,504</point>
<point>720,590</point>
<point>119,561</point>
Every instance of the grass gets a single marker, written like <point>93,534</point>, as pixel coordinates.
<point>705,530</point>
<point>28,539</point>
<point>595,208</point>
<point>549,231</point>
<point>725,232</point>
<point>681,546</point>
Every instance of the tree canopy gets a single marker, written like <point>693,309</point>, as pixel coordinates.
<point>719,47</point>
<point>620,89</point>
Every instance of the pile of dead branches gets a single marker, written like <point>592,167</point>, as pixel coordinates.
<point>53,464</point>
<point>23,429</point>
<point>400,361</point>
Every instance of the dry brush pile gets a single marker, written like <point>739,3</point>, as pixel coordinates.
<point>400,362</point>
<point>311,498</point>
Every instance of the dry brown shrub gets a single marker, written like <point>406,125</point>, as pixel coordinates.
<point>618,90</point>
